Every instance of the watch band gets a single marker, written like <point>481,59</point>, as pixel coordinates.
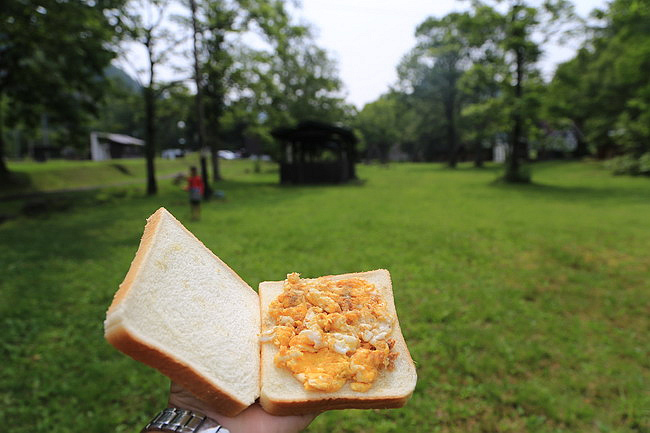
<point>183,421</point>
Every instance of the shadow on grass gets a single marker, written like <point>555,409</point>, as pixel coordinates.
<point>576,193</point>
<point>273,190</point>
<point>122,169</point>
<point>59,273</point>
<point>15,182</point>
<point>45,204</point>
<point>464,167</point>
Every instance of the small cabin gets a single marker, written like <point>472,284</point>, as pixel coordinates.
<point>105,146</point>
<point>316,152</point>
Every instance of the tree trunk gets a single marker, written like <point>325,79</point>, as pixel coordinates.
<point>150,147</point>
<point>214,156</point>
<point>513,164</point>
<point>450,109</point>
<point>200,114</point>
<point>581,149</point>
<point>150,127</point>
<point>4,170</point>
<point>478,155</point>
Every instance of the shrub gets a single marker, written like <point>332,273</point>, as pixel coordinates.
<point>644,164</point>
<point>624,164</point>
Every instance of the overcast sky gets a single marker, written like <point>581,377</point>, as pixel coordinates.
<point>369,37</point>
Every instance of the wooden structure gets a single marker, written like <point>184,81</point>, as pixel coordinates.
<point>316,152</point>
<point>104,146</point>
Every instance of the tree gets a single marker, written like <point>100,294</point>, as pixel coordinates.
<point>447,48</point>
<point>379,125</point>
<point>520,23</point>
<point>213,22</point>
<point>290,81</point>
<point>605,88</point>
<point>296,78</point>
<point>176,119</point>
<point>52,58</point>
<point>592,90</point>
<point>200,114</point>
<point>630,39</point>
<point>422,115</point>
<point>146,24</point>
<point>566,103</point>
<point>121,109</point>
<point>445,42</point>
<point>485,112</point>
<point>257,90</point>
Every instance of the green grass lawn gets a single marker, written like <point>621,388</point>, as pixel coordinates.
<point>33,177</point>
<point>526,308</point>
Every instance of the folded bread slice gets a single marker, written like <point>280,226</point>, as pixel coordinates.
<point>282,394</point>
<point>184,312</point>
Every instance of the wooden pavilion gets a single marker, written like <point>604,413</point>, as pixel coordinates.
<point>316,152</point>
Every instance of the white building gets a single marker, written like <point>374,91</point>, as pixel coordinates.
<point>104,146</point>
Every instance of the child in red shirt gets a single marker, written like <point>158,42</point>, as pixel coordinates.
<point>195,188</point>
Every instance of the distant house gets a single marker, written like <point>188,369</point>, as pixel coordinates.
<point>316,152</point>
<point>500,148</point>
<point>396,154</point>
<point>558,143</point>
<point>104,146</point>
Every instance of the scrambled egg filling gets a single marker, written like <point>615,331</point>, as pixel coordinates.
<point>331,332</point>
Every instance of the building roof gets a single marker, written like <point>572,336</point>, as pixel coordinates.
<point>316,133</point>
<point>120,138</point>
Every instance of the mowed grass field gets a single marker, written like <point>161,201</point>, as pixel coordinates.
<point>33,177</point>
<point>526,308</point>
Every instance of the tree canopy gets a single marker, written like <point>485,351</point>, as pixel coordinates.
<point>52,58</point>
<point>471,82</point>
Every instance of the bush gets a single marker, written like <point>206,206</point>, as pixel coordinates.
<point>624,164</point>
<point>644,164</point>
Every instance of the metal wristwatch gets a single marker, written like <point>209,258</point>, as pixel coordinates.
<point>183,421</point>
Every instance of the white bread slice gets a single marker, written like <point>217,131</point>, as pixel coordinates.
<point>282,394</point>
<point>183,311</point>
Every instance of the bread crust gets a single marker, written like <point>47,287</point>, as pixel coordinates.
<point>311,402</point>
<point>179,372</point>
<point>150,229</point>
<point>128,342</point>
<point>301,407</point>
<point>148,236</point>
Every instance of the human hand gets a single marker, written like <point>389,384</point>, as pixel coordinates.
<point>252,420</point>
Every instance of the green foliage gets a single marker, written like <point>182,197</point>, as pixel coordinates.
<point>380,127</point>
<point>518,317</point>
<point>146,23</point>
<point>485,111</point>
<point>248,92</point>
<point>121,110</point>
<point>624,164</point>
<point>221,73</point>
<point>431,73</point>
<point>605,89</point>
<point>422,114</point>
<point>519,25</point>
<point>476,72</point>
<point>629,164</point>
<point>176,119</point>
<point>52,58</point>
<point>644,164</point>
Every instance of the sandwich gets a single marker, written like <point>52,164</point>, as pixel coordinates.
<point>300,346</point>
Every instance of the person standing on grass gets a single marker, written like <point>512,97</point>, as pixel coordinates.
<point>195,187</point>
